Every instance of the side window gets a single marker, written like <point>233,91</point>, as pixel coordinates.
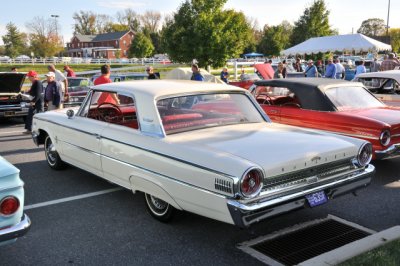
<point>111,107</point>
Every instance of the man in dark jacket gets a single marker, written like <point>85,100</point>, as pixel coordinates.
<point>53,93</point>
<point>36,104</point>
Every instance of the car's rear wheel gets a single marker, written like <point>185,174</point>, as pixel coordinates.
<point>52,157</point>
<point>158,208</point>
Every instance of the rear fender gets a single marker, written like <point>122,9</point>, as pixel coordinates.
<point>148,186</point>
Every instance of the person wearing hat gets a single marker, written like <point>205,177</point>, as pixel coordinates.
<point>60,77</point>
<point>36,104</point>
<point>311,70</point>
<point>53,92</point>
<point>196,73</point>
<point>150,73</point>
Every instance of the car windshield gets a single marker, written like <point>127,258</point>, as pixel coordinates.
<point>77,82</point>
<point>252,76</point>
<point>184,113</point>
<point>352,98</point>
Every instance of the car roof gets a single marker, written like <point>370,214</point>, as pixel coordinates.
<point>164,88</point>
<point>392,74</point>
<point>320,83</point>
<point>310,91</point>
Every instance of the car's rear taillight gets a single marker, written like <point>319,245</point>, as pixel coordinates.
<point>9,205</point>
<point>251,183</point>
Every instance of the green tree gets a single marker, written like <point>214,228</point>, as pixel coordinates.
<point>13,40</point>
<point>395,39</point>
<point>129,18</point>
<point>155,38</point>
<point>43,37</point>
<point>202,30</point>
<point>372,27</point>
<point>85,22</point>
<point>313,23</point>
<point>275,39</point>
<point>255,37</point>
<point>141,46</point>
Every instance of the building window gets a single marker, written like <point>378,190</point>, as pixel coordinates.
<point>124,43</point>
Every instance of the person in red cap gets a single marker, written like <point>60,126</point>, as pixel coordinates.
<point>70,71</point>
<point>36,105</point>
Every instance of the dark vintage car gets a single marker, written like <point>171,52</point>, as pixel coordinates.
<point>335,106</point>
<point>77,90</point>
<point>13,103</point>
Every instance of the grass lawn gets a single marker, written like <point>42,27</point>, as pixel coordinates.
<point>386,255</point>
<point>42,68</point>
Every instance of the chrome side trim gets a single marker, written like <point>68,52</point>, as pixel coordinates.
<point>17,230</point>
<point>81,148</point>
<point>168,177</point>
<point>350,135</point>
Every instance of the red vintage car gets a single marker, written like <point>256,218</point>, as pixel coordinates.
<point>335,106</point>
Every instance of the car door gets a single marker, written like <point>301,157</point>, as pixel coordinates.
<point>81,141</point>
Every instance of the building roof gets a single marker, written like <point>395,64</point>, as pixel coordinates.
<point>109,36</point>
<point>85,38</point>
<point>101,37</point>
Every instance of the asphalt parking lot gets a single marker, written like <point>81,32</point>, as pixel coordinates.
<point>80,219</point>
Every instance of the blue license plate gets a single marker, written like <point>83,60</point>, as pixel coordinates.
<point>316,199</point>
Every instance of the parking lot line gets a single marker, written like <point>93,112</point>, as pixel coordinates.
<point>83,196</point>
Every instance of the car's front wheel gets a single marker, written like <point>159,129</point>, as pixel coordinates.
<point>52,157</point>
<point>158,208</point>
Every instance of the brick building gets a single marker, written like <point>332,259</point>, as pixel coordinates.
<point>108,45</point>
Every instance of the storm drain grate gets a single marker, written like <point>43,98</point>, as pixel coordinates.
<point>295,245</point>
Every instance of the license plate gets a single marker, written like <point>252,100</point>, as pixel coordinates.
<point>317,198</point>
<point>9,113</point>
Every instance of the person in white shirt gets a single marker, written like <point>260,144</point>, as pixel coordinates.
<point>60,77</point>
<point>340,70</point>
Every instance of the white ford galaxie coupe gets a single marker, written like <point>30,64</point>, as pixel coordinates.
<point>203,148</point>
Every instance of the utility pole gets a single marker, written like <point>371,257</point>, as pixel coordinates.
<point>387,22</point>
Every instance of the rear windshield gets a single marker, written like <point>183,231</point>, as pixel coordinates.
<point>186,113</point>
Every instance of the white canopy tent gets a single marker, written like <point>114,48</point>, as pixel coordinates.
<point>348,42</point>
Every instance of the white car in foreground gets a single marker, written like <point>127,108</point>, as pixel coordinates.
<point>203,148</point>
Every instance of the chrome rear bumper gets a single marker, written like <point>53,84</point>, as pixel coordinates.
<point>244,215</point>
<point>18,230</point>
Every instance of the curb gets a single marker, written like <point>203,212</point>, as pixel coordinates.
<point>355,248</point>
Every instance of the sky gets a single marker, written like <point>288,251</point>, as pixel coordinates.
<point>345,15</point>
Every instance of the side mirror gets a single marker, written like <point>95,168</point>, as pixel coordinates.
<point>70,113</point>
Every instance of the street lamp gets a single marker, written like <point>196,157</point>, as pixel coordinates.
<point>55,20</point>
